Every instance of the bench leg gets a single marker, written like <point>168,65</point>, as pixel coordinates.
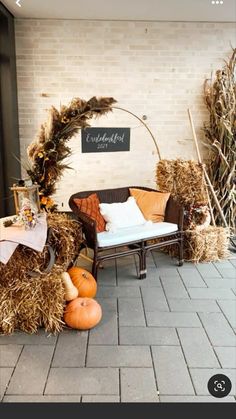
<point>181,251</point>
<point>142,263</point>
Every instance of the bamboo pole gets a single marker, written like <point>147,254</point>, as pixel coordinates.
<point>206,176</point>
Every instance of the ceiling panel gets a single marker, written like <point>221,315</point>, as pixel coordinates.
<point>160,10</point>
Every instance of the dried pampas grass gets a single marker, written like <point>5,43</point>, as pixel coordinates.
<point>49,151</point>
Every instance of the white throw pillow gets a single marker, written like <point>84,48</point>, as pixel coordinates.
<point>122,214</point>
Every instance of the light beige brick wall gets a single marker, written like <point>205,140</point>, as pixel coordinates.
<point>155,69</point>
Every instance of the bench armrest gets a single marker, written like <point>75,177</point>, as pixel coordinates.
<point>89,229</point>
<point>174,213</point>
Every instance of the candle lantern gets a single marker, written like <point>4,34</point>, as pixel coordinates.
<point>22,193</point>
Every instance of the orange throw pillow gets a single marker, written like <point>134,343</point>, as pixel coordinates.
<point>90,207</point>
<point>152,204</point>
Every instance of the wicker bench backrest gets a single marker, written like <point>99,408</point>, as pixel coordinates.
<point>107,196</point>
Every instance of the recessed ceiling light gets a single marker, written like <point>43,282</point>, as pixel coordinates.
<point>18,3</point>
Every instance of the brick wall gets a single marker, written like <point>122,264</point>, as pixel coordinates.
<point>155,69</point>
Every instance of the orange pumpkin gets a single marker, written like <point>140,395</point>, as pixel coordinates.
<point>84,282</point>
<point>83,313</point>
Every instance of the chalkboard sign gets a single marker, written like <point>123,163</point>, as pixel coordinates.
<point>100,140</point>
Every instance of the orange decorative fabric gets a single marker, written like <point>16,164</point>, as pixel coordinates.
<point>90,207</point>
<point>152,204</point>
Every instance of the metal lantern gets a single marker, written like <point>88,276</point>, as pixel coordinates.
<point>26,192</point>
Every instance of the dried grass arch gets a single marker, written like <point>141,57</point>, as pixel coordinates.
<point>49,150</point>
<point>145,125</point>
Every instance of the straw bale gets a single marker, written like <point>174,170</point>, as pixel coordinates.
<point>184,179</point>
<point>28,301</point>
<point>207,245</point>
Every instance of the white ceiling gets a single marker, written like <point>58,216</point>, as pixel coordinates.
<point>160,10</point>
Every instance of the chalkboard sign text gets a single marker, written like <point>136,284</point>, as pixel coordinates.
<point>97,140</point>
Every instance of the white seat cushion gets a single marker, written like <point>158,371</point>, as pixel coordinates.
<point>135,233</point>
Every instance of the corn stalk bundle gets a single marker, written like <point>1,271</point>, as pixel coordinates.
<point>220,133</point>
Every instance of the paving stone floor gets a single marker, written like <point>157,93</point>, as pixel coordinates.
<point>160,340</point>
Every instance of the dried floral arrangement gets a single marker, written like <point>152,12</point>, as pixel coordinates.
<point>48,152</point>
<point>220,133</point>
<point>28,302</point>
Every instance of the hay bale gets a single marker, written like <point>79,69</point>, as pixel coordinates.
<point>207,245</point>
<point>29,302</point>
<point>184,179</point>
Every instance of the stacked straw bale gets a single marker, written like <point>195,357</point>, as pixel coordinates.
<point>185,181</point>
<point>29,301</point>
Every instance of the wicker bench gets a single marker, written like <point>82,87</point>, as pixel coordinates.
<point>110,246</point>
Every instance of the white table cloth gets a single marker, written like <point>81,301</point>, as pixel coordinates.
<point>11,236</point>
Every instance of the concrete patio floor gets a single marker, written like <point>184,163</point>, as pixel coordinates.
<point>160,340</point>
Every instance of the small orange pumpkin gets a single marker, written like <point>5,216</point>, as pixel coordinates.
<point>83,313</point>
<point>84,282</point>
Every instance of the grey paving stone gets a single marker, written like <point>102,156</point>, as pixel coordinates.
<point>149,260</point>
<point>226,272</point>
<point>171,371</point>
<point>71,349</point>
<point>221,282</point>
<point>83,381</point>
<point>126,268</point>
<point>218,329</point>
<point>174,287</point>
<point>119,356</point>
<point>106,333</point>
<point>100,399</point>
<point>233,261</point>
<point>196,399</point>
<point>152,280</point>
<point>208,270</point>
<point>42,399</point>
<point>154,299</point>
<point>31,371</point>
<point>138,385</point>
<point>115,292</point>
<point>205,306</point>
<point>201,377</point>
<point>148,336</point>
<point>160,256</point>
<point>192,278</point>
<point>197,349</point>
<point>21,338</point>
<point>168,271</point>
<point>131,312</point>
<point>5,375</point>
<point>223,264</point>
<point>227,356</point>
<point>229,310</point>
<point>211,293</point>
<point>108,304</point>
<point>9,355</point>
<point>107,274</point>
<point>172,319</point>
<point>187,265</point>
